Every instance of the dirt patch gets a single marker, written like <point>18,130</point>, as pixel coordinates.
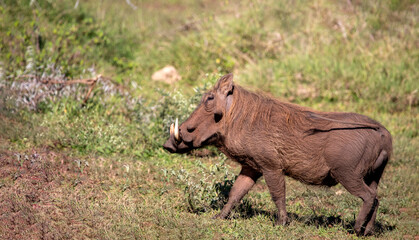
<point>29,185</point>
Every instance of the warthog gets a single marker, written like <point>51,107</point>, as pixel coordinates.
<point>277,139</point>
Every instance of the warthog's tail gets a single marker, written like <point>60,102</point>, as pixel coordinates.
<point>381,160</point>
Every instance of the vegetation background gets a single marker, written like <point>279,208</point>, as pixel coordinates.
<point>75,169</point>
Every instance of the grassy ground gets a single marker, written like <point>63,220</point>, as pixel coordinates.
<point>97,170</point>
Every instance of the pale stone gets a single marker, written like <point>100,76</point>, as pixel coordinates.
<point>167,74</point>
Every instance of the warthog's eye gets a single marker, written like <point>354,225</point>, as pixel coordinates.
<point>209,102</point>
<point>217,117</point>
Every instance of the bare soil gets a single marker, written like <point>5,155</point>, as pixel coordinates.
<point>30,191</point>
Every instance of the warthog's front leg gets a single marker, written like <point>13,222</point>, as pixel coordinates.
<point>276,184</point>
<point>244,182</point>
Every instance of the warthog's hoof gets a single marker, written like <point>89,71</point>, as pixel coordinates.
<point>360,231</point>
<point>219,216</point>
<point>369,231</point>
<point>282,221</point>
<point>364,232</point>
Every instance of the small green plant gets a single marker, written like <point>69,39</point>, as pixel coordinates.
<point>205,189</point>
<point>21,159</point>
<point>81,164</point>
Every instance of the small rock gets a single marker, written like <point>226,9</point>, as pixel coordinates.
<point>306,92</point>
<point>167,74</point>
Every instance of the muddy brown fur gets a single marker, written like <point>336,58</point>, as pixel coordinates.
<point>275,139</point>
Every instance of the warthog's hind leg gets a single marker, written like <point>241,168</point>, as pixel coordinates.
<point>241,186</point>
<point>355,184</point>
<point>372,181</point>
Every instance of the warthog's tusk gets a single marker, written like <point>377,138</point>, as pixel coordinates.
<point>177,130</point>
<point>172,129</point>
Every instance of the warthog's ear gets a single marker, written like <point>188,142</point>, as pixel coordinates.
<point>225,84</point>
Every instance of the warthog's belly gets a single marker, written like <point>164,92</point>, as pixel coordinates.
<point>310,171</point>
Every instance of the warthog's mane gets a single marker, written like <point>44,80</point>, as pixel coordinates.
<point>258,109</point>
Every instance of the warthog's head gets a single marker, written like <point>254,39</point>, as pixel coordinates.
<point>205,125</point>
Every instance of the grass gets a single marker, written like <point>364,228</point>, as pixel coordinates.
<point>98,171</point>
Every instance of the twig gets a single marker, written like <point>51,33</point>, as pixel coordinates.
<point>342,29</point>
<point>93,84</point>
<point>88,81</point>
<point>131,5</point>
<point>77,4</point>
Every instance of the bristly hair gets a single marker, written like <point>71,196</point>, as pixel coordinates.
<point>250,109</point>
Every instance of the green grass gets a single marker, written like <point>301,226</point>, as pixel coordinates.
<point>99,171</point>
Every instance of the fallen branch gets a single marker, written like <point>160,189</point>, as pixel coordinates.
<point>88,81</point>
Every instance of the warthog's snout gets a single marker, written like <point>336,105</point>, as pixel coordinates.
<point>176,142</point>
<point>169,146</point>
